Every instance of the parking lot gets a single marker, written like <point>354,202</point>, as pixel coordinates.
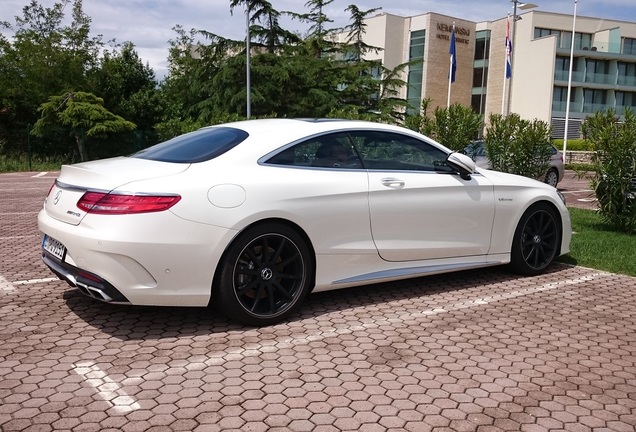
<point>473,351</point>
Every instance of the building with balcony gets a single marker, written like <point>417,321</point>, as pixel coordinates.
<point>603,71</point>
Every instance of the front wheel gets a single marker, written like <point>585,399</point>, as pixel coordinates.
<point>552,177</point>
<point>264,276</point>
<point>536,240</point>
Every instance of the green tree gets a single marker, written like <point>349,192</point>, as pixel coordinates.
<point>317,41</point>
<point>84,114</point>
<point>614,167</point>
<point>45,56</point>
<point>356,47</point>
<point>128,86</point>
<point>269,32</point>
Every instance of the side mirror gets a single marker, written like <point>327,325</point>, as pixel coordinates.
<point>462,164</point>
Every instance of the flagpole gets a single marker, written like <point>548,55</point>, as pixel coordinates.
<point>567,103</point>
<point>449,87</point>
<point>453,62</point>
<point>505,69</point>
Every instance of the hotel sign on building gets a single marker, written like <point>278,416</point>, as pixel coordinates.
<point>462,34</point>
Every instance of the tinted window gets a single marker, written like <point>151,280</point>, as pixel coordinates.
<point>199,146</point>
<point>392,151</point>
<point>325,151</point>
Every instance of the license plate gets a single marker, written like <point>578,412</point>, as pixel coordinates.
<point>53,247</point>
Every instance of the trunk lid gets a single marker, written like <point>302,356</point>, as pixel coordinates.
<point>103,175</point>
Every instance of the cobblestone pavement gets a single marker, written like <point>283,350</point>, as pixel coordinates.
<point>473,351</point>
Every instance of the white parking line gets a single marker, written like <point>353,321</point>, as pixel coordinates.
<point>5,285</point>
<point>34,281</point>
<point>576,191</point>
<point>20,236</point>
<point>256,349</point>
<point>106,388</point>
<point>42,174</point>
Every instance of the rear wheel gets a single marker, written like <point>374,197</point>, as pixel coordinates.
<point>265,275</point>
<point>536,240</point>
<point>552,177</point>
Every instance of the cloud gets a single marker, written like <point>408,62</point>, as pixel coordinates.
<point>149,23</point>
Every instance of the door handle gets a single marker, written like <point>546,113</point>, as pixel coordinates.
<point>393,182</point>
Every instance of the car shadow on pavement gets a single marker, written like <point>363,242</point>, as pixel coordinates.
<point>154,323</point>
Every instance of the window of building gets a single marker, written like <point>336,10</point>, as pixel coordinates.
<point>563,63</point>
<point>482,45</point>
<point>542,32</point>
<point>560,94</point>
<point>480,70</point>
<point>414,80</point>
<point>626,74</point>
<point>594,100</point>
<point>564,38</point>
<point>597,72</point>
<point>582,41</point>
<point>627,99</point>
<point>480,76</point>
<point>629,46</point>
<point>560,98</point>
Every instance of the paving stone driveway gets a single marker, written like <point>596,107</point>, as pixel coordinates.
<point>474,351</point>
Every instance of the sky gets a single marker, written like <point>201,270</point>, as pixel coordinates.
<point>149,23</point>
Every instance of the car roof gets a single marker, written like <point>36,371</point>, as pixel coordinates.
<point>281,131</point>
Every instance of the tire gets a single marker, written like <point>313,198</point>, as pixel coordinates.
<point>552,177</point>
<point>264,275</point>
<point>536,240</point>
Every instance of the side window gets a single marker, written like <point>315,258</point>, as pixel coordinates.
<point>325,151</point>
<point>393,151</point>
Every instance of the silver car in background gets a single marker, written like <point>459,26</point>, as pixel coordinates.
<point>477,150</point>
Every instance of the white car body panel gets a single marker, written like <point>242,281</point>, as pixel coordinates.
<point>414,215</point>
<point>360,228</point>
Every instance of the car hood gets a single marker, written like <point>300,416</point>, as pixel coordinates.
<point>109,174</point>
<point>504,179</point>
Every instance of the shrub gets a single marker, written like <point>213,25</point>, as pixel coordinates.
<point>614,166</point>
<point>518,146</point>
<point>574,144</point>
<point>455,127</point>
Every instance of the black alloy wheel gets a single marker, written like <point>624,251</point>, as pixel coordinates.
<point>536,240</point>
<point>265,275</point>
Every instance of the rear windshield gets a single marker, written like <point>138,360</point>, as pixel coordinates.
<point>199,146</point>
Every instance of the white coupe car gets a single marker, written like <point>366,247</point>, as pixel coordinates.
<point>251,216</point>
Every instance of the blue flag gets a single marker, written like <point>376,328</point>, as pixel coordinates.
<point>508,52</point>
<point>453,56</point>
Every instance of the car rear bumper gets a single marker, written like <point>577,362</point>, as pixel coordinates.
<point>127,259</point>
<point>88,284</point>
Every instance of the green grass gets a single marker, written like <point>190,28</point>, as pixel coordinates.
<point>599,246</point>
<point>38,163</point>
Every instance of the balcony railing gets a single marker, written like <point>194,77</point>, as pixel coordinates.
<point>563,76</point>
<point>627,81</point>
<point>597,78</point>
<point>587,108</point>
<point>592,78</point>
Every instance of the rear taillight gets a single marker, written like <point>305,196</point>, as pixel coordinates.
<point>50,189</point>
<point>109,203</point>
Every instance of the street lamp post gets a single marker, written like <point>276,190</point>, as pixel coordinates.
<point>248,85</point>
<point>523,6</point>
